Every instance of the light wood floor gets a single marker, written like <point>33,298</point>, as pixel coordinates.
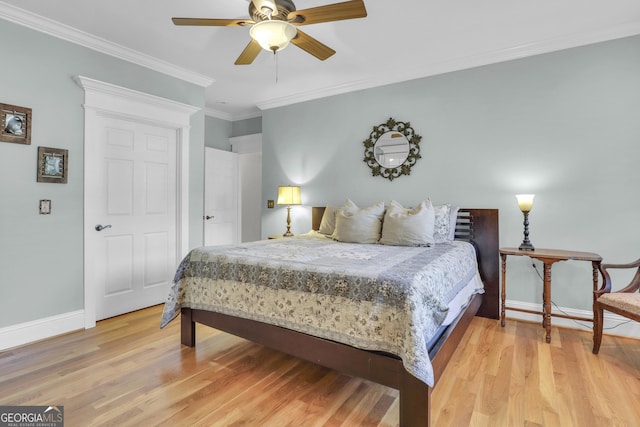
<point>128,372</point>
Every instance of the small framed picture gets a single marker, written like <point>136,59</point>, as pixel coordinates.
<point>52,165</point>
<point>15,124</point>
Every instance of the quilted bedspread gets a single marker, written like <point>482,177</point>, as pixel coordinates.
<point>374,297</point>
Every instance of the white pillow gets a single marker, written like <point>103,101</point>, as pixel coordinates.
<point>408,227</point>
<point>442,223</point>
<point>328,222</point>
<point>358,225</point>
<point>453,222</point>
<point>446,219</point>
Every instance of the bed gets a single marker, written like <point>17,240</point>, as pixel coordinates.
<point>393,366</point>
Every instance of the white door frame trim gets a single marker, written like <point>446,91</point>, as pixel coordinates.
<point>104,99</point>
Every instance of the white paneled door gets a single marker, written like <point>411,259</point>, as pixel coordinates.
<point>132,245</point>
<point>221,198</point>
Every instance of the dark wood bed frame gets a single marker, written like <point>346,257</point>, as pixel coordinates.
<point>479,226</point>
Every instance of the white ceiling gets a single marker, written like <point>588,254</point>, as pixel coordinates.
<point>398,40</point>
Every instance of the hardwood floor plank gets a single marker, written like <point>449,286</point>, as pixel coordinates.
<point>517,384</point>
<point>128,372</point>
<point>381,407</point>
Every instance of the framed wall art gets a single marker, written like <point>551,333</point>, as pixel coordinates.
<point>52,165</point>
<point>15,124</point>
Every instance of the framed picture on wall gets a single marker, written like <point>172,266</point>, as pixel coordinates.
<point>52,165</point>
<point>15,124</point>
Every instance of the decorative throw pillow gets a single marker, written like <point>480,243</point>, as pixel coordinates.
<point>408,227</point>
<point>442,223</point>
<point>358,225</point>
<point>328,222</point>
<point>453,222</point>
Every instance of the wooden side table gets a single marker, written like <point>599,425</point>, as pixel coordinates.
<point>548,257</point>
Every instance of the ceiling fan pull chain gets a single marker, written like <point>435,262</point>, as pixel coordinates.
<point>275,58</point>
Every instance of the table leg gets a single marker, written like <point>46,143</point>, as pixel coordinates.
<point>503,294</point>
<point>546,298</point>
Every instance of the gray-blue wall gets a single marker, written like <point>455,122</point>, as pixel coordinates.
<point>564,125</point>
<point>218,131</point>
<point>41,256</point>
<point>249,126</point>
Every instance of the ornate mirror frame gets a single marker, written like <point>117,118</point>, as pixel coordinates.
<point>413,155</point>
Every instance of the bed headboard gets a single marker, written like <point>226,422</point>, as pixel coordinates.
<point>480,227</point>
<point>316,217</point>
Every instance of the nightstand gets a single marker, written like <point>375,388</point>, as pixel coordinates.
<point>548,257</point>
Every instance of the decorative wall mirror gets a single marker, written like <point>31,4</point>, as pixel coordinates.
<point>392,149</point>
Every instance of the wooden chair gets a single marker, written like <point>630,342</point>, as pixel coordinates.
<point>625,302</point>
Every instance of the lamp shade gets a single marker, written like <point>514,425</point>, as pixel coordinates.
<point>273,35</point>
<point>525,201</point>
<point>289,195</point>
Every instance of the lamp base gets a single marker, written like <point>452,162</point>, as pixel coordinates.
<point>526,247</point>
<point>526,244</point>
<point>288,233</point>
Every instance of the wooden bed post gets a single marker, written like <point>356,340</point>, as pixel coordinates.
<point>187,328</point>
<point>483,231</point>
<point>415,402</point>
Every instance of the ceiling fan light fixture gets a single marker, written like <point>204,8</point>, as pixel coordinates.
<point>273,35</point>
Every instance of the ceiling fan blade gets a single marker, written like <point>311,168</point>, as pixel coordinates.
<point>249,53</point>
<point>331,12</point>
<point>213,22</point>
<point>312,46</point>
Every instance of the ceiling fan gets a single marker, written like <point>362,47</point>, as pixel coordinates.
<point>274,24</point>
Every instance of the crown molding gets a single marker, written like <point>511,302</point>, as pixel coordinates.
<point>247,115</point>
<point>208,111</point>
<point>211,112</point>
<point>457,64</point>
<point>72,35</point>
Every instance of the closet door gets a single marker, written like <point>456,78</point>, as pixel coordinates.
<point>221,198</point>
<point>249,147</point>
<point>132,248</point>
<point>136,196</point>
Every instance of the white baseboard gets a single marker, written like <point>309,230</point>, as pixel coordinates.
<point>36,330</point>
<point>613,324</point>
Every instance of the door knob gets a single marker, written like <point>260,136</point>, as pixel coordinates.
<point>207,217</point>
<point>100,227</point>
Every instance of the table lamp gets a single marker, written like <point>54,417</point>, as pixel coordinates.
<point>525,203</point>
<point>288,195</point>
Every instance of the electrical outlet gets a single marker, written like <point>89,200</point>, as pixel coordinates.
<point>270,204</point>
<point>45,207</point>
